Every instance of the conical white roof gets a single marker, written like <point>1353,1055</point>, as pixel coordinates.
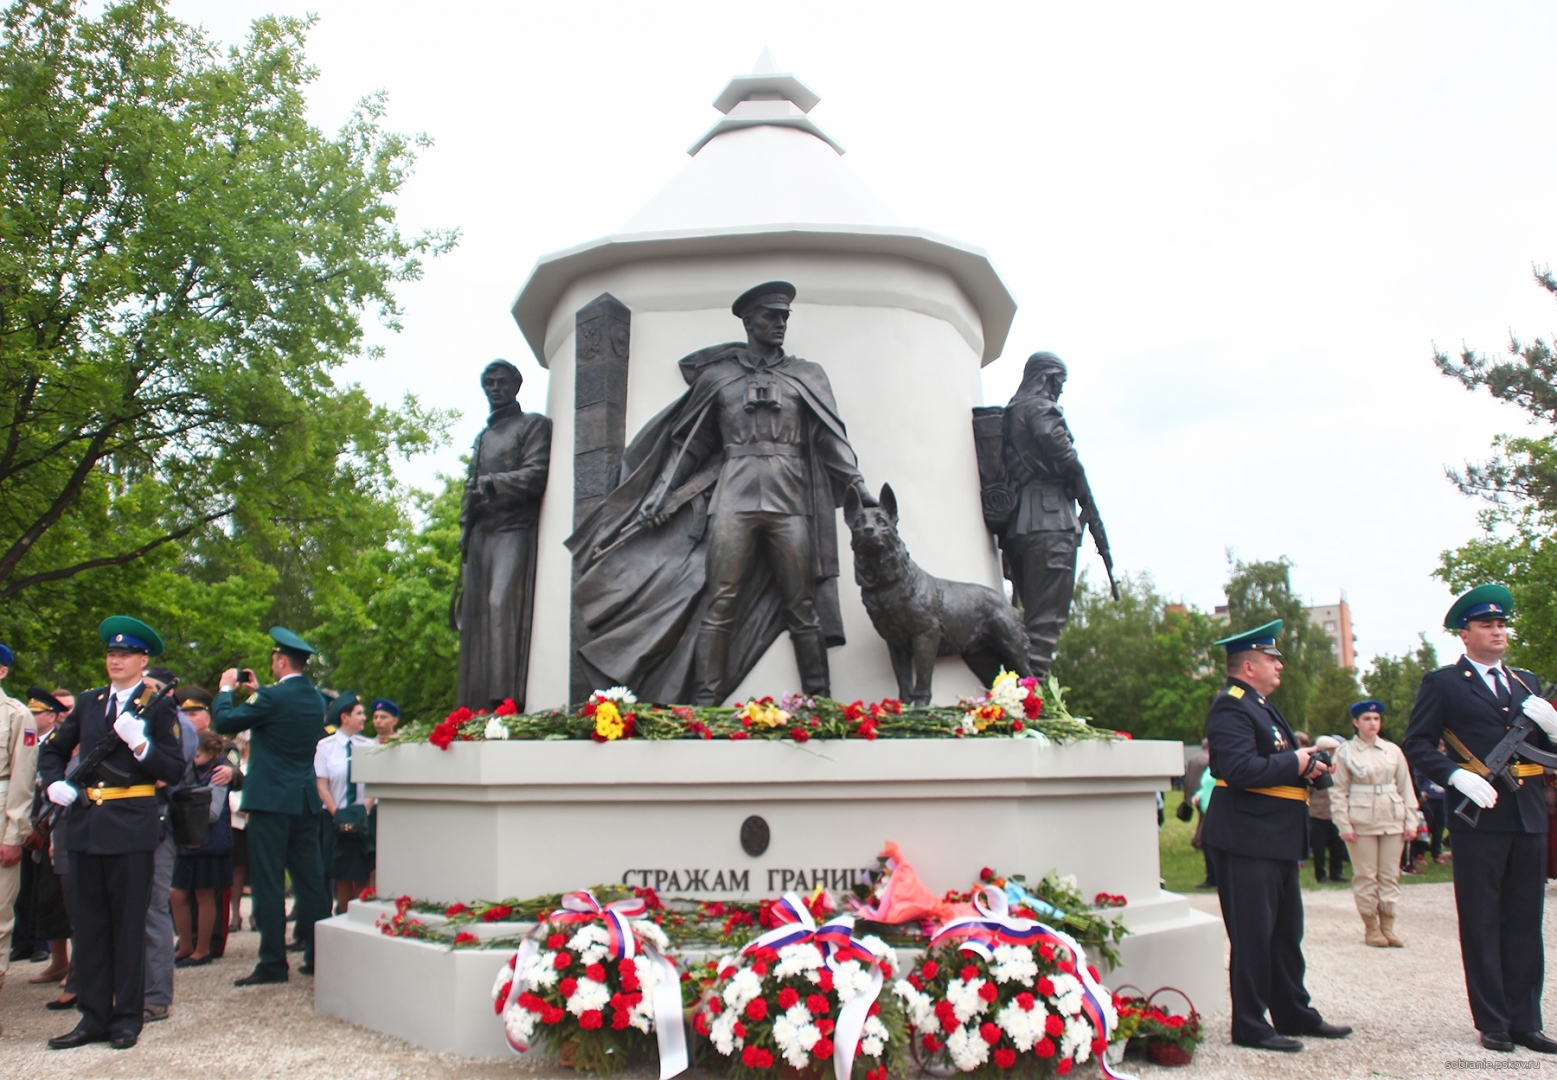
<point>765,177</point>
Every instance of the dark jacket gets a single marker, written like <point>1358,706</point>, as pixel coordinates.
<point>286,722</point>
<point>1458,699</point>
<point>1040,459</point>
<point>119,826</point>
<point>1253,746</point>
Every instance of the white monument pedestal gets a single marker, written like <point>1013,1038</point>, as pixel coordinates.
<point>500,820</point>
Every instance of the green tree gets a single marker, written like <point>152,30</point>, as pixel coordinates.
<point>1138,664</point>
<point>184,262</point>
<point>1394,681</point>
<point>1258,592</point>
<point>1519,486</point>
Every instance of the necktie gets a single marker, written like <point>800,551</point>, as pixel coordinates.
<point>112,713</point>
<point>1502,687</point>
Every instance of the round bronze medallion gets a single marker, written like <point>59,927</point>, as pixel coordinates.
<point>754,836</point>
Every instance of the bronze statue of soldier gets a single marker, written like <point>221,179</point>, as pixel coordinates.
<point>722,533</point>
<point>493,606</point>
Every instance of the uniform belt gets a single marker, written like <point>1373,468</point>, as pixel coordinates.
<point>1522,769</point>
<point>764,449</point>
<point>5,785</point>
<point>1377,789</point>
<point>1280,791</point>
<point>100,795</point>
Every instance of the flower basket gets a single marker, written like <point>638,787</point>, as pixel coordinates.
<point>1167,1038</point>
<point>593,983</point>
<point>802,1001</point>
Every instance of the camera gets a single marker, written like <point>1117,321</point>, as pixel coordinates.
<point>1321,756</point>
<point>246,676</point>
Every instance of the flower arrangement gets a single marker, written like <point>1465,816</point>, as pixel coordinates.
<point>802,995</point>
<point>1012,702</point>
<point>1168,1038</point>
<point>998,994</point>
<point>611,710</point>
<point>593,979</point>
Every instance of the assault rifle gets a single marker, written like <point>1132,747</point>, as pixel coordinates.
<point>1094,523</point>
<point>94,766</point>
<point>1500,763</point>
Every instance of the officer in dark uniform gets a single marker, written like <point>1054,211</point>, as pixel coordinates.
<point>113,830</point>
<point>1256,830</point>
<point>286,722</point>
<point>1500,862</point>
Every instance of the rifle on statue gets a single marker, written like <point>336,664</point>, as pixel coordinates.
<point>1500,763</point>
<point>94,766</point>
<point>1094,525</point>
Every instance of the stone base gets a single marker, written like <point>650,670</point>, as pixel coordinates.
<point>441,999</point>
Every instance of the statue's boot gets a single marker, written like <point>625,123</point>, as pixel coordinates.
<point>708,665</point>
<point>811,659</point>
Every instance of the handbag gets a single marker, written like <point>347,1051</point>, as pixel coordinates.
<point>1185,812</point>
<point>351,817</point>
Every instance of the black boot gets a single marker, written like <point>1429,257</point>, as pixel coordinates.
<point>708,664</point>
<point>811,659</point>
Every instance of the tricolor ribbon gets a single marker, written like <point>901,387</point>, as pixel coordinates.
<point>581,907</point>
<point>835,940</point>
<point>995,925</point>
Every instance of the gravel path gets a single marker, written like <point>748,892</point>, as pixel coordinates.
<point>1408,1006</point>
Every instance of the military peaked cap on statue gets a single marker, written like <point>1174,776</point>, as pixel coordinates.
<point>1260,639</point>
<point>770,294</point>
<point>383,704</point>
<point>289,644</point>
<point>194,697</point>
<point>1482,602</point>
<point>1371,705</point>
<point>40,700</point>
<point>124,634</point>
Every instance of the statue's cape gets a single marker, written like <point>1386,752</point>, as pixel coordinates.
<point>641,602</point>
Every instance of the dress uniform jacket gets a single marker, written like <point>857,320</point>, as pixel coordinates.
<point>120,826</point>
<point>1253,747</point>
<point>286,722</point>
<point>1458,699</point>
<point>18,765</point>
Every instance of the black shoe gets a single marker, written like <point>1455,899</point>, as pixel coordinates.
<point>1206,885</point>
<point>1535,1040</point>
<point>190,961</point>
<point>20,954</point>
<point>1275,1042</point>
<point>1497,1040</point>
<point>72,1039</point>
<point>256,979</point>
<point>39,956</point>
<point>1339,880</point>
<point>296,946</point>
<point>1320,878</point>
<point>122,1041</point>
<point>60,1006</point>
<point>306,969</point>
<point>1327,1031</point>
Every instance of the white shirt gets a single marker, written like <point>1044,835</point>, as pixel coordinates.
<point>1486,670</point>
<point>330,763</point>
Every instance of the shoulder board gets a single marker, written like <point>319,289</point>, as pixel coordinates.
<point>145,697</point>
<point>1234,691</point>
<point>329,729</point>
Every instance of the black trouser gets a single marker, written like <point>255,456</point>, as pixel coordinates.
<point>1499,893</point>
<point>1262,908</point>
<point>279,843</point>
<point>113,893</point>
<point>1324,838</point>
<point>1433,810</point>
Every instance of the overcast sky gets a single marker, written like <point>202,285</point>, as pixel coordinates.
<point>1243,228</point>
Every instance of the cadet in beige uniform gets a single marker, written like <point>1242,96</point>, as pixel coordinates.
<point>18,767</point>
<point>1373,804</point>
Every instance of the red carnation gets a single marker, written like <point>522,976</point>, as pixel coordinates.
<point>596,972</point>
<point>787,997</point>
<point>627,974</point>
<point>987,874</point>
<point>816,1003</point>
<point>1099,1044</point>
<point>930,1043</point>
<point>454,909</point>
<point>1091,970</point>
<point>988,992</point>
<point>1025,1002</point>
<point>502,997</point>
<point>1053,1025</point>
<point>913,980</point>
<point>1046,951</point>
<point>929,969</point>
<point>874,1010</point>
<point>726,972</point>
<point>755,1057</point>
<point>946,1014</point>
<point>556,941</point>
<point>969,973</point>
<point>1005,1057</point>
<point>824,979</point>
<point>620,1019</point>
<point>739,1029</point>
<point>561,960</point>
<point>989,1032</point>
<point>1175,1021</point>
<point>825,1026</point>
<point>1045,986</point>
<point>1044,1048</point>
<point>1064,1067</point>
<point>759,969</point>
<point>567,987</point>
<point>552,1015</point>
<point>531,1002</point>
<point>1032,706</point>
<point>497,913</point>
<point>757,1009</point>
<point>799,734</point>
<point>1017,725</point>
<point>466,938</point>
<point>822,1048</point>
<point>715,1006</point>
<point>700,1024</point>
<point>590,1019</point>
<point>737,736</point>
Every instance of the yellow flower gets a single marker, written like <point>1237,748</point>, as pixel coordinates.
<point>608,721</point>
<point>985,715</point>
<point>1003,678</point>
<point>765,714</point>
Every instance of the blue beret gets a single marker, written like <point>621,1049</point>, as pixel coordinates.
<point>6,656</point>
<point>383,704</point>
<point>1367,706</point>
<point>1260,639</point>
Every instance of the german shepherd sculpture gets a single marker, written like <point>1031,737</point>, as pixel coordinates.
<point>921,617</point>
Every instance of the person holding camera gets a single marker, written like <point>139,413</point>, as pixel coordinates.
<point>1256,829</point>
<point>1374,807</point>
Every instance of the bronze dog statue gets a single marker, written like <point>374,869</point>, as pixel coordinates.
<point>921,617</point>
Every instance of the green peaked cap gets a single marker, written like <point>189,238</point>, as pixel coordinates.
<point>129,635</point>
<point>344,702</point>
<point>290,643</point>
<point>1482,602</point>
<point>1260,639</point>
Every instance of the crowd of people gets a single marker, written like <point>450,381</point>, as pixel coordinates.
<point>138,816</point>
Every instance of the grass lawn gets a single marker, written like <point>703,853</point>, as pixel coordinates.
<point>1183,868</point>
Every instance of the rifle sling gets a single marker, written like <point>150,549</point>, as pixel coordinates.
<point>1479,767</point>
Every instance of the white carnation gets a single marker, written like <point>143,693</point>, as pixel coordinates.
<point>795,959</point>
<point>799,1015</point>
<point>519,1022</point>
<point>619,694</point>
<point>964,997</point>
<point>744,985</point>
<point>787,1037</point>
<point>1077,1040</point>
<point>722,1033</point>
<point>850,980</point>
<point>1067,994</point>
<point>504,977</point>
<point>874,1035</point>
<point>920,1007</point>
<point>589,995</point>
<point>968,1049</point>
<point>1024,1026</point>
<point>540,970</point>
<point>650,931</point>
<point>1014,963</point>
<point>884,955</point>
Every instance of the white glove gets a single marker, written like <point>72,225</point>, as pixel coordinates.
<point>1474,788</point>
<point>61,793</point>
<point>1540,710</point>
<point>132,729</point>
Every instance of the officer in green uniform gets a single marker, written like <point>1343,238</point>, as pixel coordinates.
<point>286,722</point>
